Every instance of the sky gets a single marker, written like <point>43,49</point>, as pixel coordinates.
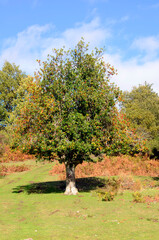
<point>127,30</point>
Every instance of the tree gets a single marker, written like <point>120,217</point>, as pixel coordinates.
<point>68,109</point>
<point>10,77</point>
<point>141,106</point>
<point>123,139</point>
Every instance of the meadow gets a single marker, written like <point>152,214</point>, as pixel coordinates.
<point>33,206</point>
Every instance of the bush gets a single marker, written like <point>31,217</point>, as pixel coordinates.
<point>10,155</point>
<point>106,196</point>
<point>113,184</point>
<point>5,170</point>
<point>128,183</point>
<point>150,199</point>
<point>137,197</point>
<point>111,188</point>
<point>112,166</point>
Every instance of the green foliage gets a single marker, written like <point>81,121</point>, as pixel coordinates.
<point>113,184</point>
<point>1,145</point>
<point>110,190</point>
<point>4,140</point>
<point>141,106</point>
<point>10,77</point>
<point>123,139</point>
<point>137,197</point>
<point>68,110</point>
<point>153,146</point>
<point>106,196</point>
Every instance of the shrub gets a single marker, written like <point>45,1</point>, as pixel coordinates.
<point>111,166</point>
<point>138,198</point>
<point>128,183</point>
<point>111,188</point>
<point>113,184</point>
<point>151,199</point>
<point>14,156</point>
<point>106,196</point>
<point>5,170</point>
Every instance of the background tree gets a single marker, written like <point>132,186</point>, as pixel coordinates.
<point>141,106</point>
<point>10,77</point>
<point>124,139</point>
<point>68,110</point>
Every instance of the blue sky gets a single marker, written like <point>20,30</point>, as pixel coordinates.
<point>30,29</point>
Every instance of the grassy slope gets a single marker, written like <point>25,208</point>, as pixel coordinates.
<point>55,216</point>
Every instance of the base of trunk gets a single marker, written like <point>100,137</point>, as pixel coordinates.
<point>71,189</point>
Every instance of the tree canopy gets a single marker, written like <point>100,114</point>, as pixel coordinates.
<point>141,106</point>
<point>68,111</point>
<point>10,77</point>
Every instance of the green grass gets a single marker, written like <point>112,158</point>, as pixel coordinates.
<point>47,214</point>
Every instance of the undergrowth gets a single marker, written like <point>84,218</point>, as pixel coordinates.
<point>10,155</point>
<point>5,170</point>
<point>139,198</point>
<point>111,166</point>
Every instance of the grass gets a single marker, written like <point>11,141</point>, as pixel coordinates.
<point>32,205</point>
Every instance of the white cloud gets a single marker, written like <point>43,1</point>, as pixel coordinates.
<point>25,48</point>
<point>131,74</point>
<point>36,42</point>
<point>149,45</point>
<point>32,43</point>
<point>92,32</point>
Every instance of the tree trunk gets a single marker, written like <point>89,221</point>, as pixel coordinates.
<point>70,180</point>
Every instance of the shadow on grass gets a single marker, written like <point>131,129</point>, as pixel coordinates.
<point>83,185</point>
<point>156,178</point>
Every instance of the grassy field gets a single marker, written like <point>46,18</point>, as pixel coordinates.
<point>32,205</point>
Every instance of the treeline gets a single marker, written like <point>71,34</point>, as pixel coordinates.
<point>69,108</point>
<point>141,107</point>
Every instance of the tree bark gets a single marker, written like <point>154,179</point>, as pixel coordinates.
<point>70,180</point>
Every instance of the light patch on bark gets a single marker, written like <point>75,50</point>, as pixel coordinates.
<point>71,189</point>
<point>70,180</point>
